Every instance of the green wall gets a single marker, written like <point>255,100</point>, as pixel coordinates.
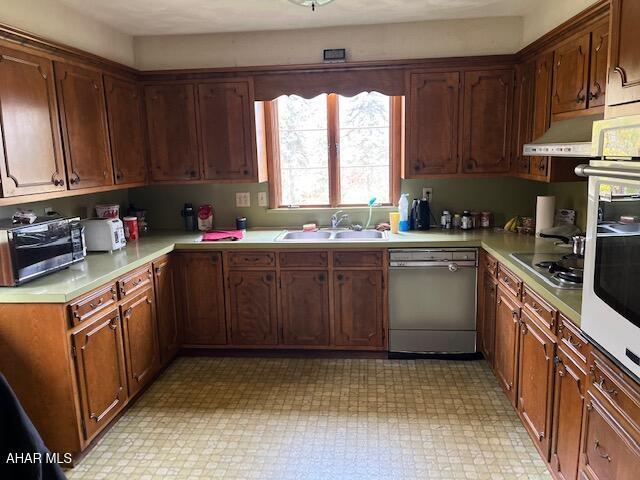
<point>504,196</point>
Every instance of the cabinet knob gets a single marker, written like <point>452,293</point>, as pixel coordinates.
<point>119,175</point>
<point>268,277</point>
<point>340,277</point>
<point>321,278</point>
<point>245,172</point>
<point>601,453</point>
<point>580,99</point>
<point>75,178</point>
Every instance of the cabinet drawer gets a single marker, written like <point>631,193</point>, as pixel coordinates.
<point>490,264</point>
<point>135,281</point>
<point>606,379</point>
<point>539,309</point>
<point>303,259</point>
<point>85,307</point>
<point>609,450</point>
<point>569,336</point>
<point>251,259</point>
<point>358,259</point>
<point>509,280</point>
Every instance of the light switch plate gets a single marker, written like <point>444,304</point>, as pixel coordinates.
<point>262,199</point>
<point>427,192</point>
<point>243,199</point>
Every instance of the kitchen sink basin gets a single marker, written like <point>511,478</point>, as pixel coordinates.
<point>331,235</point>
<point>301,235</point>
<point>362,234</point>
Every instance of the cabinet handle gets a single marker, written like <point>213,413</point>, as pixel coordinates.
<point>56,181</point>
<point>127,312</point>
<point>268,278</point>
<point>245,172</point>
<point>214,259</point>
<point>113,324</point>
<point>340,277</point>
<point>94,305</point>
<point>192,173</point>
<point>612,392</point>
<point>119,175</point>
<point>580,99</point>
<point>158,271</point>
<point>573,343</point>
<point>514,313</point>
<point>75,178</point>
<point>601,453</point>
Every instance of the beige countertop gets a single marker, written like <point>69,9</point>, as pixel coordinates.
<point>101,268</point>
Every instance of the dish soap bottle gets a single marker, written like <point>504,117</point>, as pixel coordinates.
<point>403,209</point>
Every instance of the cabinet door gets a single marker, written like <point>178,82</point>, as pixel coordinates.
<point>253,313</point>
<point>31,158</point>
<point>608,451</point>
<point>505,356</point>
<point>202,299</point>
<point>166,312</point>
<point>486,132</point>
<point>432,127</point>
<point>359,308</point>
<point>598,70</point>
<point>140,340</point>
<point>542,94</point>
<point>535,381</point>
<point>84,126</point>
<point>623,82</point>
<point>489,316</point>
<point>571,75</point>
<point>568,402</point>
<point>305,307</point>
<point>126,123</point>
<point>100,371</point>
<point>523,115</point>
<point>227,130</point>
<point>173,138</point>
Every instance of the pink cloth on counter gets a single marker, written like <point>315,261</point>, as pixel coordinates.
<point>216,235</point>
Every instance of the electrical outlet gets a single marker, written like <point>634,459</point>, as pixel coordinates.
<point>47,210</point>
<point>262,199</point>
<point>427,192</point>
<point>243,199</point>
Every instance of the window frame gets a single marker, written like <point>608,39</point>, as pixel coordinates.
<point>272,143</point>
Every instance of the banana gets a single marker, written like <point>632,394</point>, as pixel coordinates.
<point>511,225</point>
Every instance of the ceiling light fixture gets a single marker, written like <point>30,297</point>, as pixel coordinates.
<point>311,3</point>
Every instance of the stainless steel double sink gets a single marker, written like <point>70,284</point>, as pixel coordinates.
<point>331,235</point>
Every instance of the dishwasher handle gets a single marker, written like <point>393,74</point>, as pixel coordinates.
<point>452,266</point>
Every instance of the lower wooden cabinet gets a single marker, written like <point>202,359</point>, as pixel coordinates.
<point>488,325</point>
<point>359,308</point>
<point>304,298</point>
<point>609,451</point>
<point>201,296</point>
<point>100,370</point>
<point>140,340</point>
<point>166,312</point>
<point>569,391</point>
<point>535,380</point>
<point>253,312</point>
<point>506,342</point>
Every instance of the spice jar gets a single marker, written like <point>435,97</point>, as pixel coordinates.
<point>485,219</point>
<point>466,223</point>
<point>475,217</point>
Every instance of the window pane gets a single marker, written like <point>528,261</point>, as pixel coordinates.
<point>304,163</point>
<point>364,148</point>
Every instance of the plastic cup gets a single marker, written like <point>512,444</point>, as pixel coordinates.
<point>394,221</point>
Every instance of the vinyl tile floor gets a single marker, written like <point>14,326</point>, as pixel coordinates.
<point>317,419</point>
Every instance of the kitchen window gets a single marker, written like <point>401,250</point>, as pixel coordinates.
<point>333,150</point>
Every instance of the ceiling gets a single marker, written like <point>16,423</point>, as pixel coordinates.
<point>166,17</point>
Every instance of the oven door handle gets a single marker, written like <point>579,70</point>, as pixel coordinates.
<point>589,171</point>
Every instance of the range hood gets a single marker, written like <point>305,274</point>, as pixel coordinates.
<point>565,138</point>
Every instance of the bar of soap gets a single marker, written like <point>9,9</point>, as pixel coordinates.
<point>309,227</point>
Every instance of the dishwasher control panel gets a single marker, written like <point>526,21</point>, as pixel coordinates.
<point>433,257</point>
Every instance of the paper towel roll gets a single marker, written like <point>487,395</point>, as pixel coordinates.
<point>545,212</point>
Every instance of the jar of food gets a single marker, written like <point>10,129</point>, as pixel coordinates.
<point>457,221</point>
<point>475,217</point>
<point>466,221</point>
<point>485,219</point>
<point>445,219</point>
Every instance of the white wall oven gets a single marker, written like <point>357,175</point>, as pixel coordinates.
<point>611,292</point>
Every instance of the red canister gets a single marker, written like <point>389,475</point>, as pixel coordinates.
<point>131,228</point>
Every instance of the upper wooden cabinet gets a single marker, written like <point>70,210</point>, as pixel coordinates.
<point>84,126</point>
<point>432,124</point>
<point>126,130</point>
<point>173,137</point>
<point>623,82</point>
<point>486,121</point>
<point>30,146</point>
<point>226,119</point>
<point>579,75</point>
<point>571,74</point>
<point>523,115</point>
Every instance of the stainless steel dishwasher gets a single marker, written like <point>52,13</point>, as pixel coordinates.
<point>432,300</point>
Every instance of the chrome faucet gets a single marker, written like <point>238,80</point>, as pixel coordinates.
<point>337,218</point>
